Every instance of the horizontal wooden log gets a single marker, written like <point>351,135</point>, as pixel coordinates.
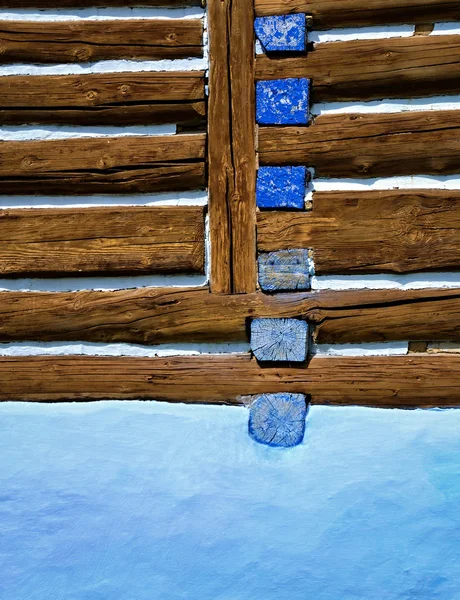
<point>103,165</point>
<point>354,13</point>
<point>370,232</point>
<point>160,315</point>
<point>368,145</point>
<point>88,41</point>
<point>103,99</point>
<point>58,242</point>
<point>371,69</point>
<point>390,381</point>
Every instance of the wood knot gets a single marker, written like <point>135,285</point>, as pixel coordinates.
<point>83,54</point>
<point>91,95</point>
<point>171,37</point>
<point>125,89</point>
<point>29,162</point>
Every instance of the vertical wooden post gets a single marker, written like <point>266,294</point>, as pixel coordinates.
<point>231,152</point>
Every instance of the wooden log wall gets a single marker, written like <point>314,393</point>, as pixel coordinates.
<point>219,147</point>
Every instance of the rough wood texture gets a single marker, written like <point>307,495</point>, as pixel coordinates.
<point>103,165</point>
<point>103,99</point>
<point>372,69</point>
<point>284,270</point>
<point>393,381</point>
<point>371,232</point>
<point>278,419</point>
<point>279,339</point>
<point>368,145</point>
<point>91,241</point>
<point>88,41</point>
<point>354,13</point>
<point>159,315</point>
<point>232,157</point>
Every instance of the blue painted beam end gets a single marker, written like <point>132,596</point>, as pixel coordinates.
<point>283,101</point>
<point>283,33</point>
<point>284,270</point>
<point>279,339</point>
<point>278,419</point>
<point>281,187</point>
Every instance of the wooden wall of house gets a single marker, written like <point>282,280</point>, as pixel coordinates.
<point>174,179</point>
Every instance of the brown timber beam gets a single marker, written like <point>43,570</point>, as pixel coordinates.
<point>371,69</point>
<point>103,98</point>
<point>231,153</point>
<point>354,13</point>
<point>368,145</point>
<point>391,381</point>
<point>398,231</point>
<point>160,315</point>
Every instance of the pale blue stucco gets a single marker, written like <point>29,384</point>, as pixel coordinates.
<point>147,501</point>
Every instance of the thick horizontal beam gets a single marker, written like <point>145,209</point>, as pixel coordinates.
<point>159,315</point>
<point>103,98</point>
<point>103,165</point>
<point>58,242</point>
<point>371,232</point>
<point>392,381</point>
<point>368,145</point>
<point>87,41</point>
<point>354,13</point>
<point>370,69</point>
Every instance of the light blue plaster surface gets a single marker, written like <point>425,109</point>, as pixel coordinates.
<point>281,187</point>
<point>283,101</point>
<point>282,32</point>
<point>148,501</point>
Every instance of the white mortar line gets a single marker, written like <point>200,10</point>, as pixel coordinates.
<point>360,33</point>
<point>193,198</point>
<point>100,349</point>
<point>62,132</point>
<point>446,29</point>
<point>433,103</point>
<point>429,182</point>
<point>368,349</point>
<point>417,281</point>
<point>101,283</point>
<point>101,14</point>
<point>107,66</point>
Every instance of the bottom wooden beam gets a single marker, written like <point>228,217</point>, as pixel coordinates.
<point>392,381</point>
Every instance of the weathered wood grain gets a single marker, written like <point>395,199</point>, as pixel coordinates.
<point>391,381</point>
<point>87,41</point>
<point>127,240</point>
<point>354,13</point>
<point>279,339</point>
<point>103,165</point>
<point>103,99</point>
<point>398,231</point>
<point>160,315</point>
<point>368,145</point>
<point>371,69</point>
<point>231,154</point>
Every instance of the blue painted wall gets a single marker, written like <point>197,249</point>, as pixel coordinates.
<point>147,501</point>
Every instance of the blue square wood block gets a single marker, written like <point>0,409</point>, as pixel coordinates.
<point>278,419</point>
<point>284,270</point>
<point>281,187</point>
<point>282,33</point>
<point>283,101</point>
<point>279,339</point>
